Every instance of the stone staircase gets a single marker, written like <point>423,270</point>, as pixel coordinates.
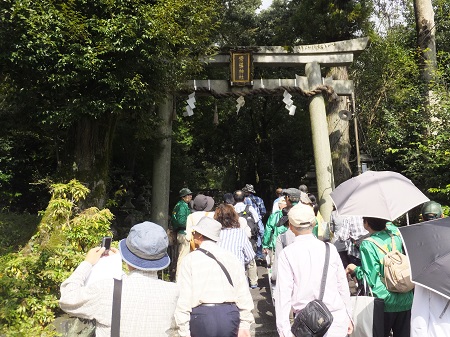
<point>264,311</point>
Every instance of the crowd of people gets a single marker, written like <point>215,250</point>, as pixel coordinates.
<point>218,250</point>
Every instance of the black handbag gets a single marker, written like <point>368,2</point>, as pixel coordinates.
<point>315,319</point>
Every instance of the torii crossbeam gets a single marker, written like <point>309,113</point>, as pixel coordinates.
<point>340,53</point>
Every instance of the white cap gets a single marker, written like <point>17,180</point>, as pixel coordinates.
<point>302,216</point>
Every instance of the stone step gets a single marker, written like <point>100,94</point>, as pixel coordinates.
<point>263,311</point>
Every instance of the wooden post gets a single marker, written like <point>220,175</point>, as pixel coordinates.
<point>355,121</point>
<point>321,142</point>
<point>161,166</point>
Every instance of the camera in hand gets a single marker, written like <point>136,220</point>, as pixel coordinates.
<point>106,242</point>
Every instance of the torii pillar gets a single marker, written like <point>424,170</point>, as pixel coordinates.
<point>321,142</point>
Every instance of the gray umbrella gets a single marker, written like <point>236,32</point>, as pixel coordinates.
<point>428,247</point>
<point>382,194</point>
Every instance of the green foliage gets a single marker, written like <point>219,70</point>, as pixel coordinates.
<point>16,230</point>
<point>442,22</point>
<point>446,210</point>
<point>65,60</point>
<point>429,158</point>
<point>315,21</point>
<point>399,128</point>
<point>387,96</point>
<point>239,24</point>
<point>78,65</point>
<point>30,278</point>
<point>89,58</point>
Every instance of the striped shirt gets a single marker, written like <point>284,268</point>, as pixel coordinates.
<point>236,241</point>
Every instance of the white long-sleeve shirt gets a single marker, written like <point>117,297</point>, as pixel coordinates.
<point>430,315</point>
<point>147,304</point>
<point>300,267</point>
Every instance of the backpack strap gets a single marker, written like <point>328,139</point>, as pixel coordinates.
<point>394,247</point>
<point>377,244</point>
<point>325,271</point>
<point>283,239</point>
<point>247,210</point>
<point>382,249</point>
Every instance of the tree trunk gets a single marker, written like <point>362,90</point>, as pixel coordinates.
<point>161,165</point>
<point>92,154</point>
<point>426,43</point>
<point>338,131</point>
<point>426,37</point>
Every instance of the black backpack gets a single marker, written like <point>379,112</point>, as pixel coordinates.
<point>247,215</point>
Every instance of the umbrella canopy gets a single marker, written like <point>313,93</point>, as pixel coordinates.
<point>383,194</point>
<point>428,247</point>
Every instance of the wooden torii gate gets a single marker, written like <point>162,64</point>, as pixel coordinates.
<point>333,54</point>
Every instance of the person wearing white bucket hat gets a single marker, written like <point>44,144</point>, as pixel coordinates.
<point>147,303</point>
<point>215,300</point>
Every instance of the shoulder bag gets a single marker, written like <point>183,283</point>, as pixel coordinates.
<point>315,319</point>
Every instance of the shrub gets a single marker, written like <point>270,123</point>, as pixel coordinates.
<point>30,278</point>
